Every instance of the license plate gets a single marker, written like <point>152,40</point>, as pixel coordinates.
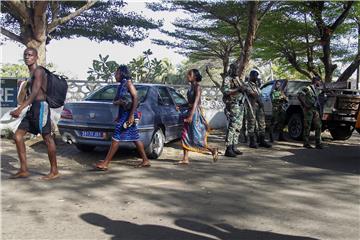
<point>90,134</point>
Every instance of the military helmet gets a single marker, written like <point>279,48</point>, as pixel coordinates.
<point>254,73</point>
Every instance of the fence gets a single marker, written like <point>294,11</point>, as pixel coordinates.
<point>211,99</point>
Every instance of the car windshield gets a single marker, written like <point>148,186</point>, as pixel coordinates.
<point>107,93</point>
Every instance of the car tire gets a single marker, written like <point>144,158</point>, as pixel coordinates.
<point>341,132</point>
<point>85,148</point>
<point>296,126</point>
<point>156,146</point>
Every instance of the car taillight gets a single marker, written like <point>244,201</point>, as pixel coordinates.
<point>66,114</point>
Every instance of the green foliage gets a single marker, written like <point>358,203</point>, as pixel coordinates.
<point>203,35</point>
<point>19,70</point>
<point>289,36</point>
<point>213,30</point>
<point>102,20</point>
<point>144,69</point>
<point>179,77</point>
<point>14,70</point>
<point>102,69</point>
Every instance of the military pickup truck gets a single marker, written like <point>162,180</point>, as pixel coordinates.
<point>339,108</point>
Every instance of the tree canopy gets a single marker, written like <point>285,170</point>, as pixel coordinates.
<point>313,38</point>
<point>36,23</point>
<point>215,29</point>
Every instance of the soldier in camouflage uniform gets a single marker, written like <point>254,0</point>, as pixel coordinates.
<point>255,111</point>
<point>278,99</point>
<point>309,98</point>
<point>232,91</point>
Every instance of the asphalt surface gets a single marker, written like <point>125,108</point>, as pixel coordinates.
<point>286,192</point>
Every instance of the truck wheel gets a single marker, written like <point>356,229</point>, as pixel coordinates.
<point>156,146</point>
<point>296,126</point>
<point>341,132</point>
<point>85,148</point>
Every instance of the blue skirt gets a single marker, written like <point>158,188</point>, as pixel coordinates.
<point>129,134</point>
<point>195,134</point>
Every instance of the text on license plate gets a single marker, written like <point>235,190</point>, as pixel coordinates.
<point>90,134</point>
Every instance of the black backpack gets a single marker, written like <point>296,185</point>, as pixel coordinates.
<point>56,89</point>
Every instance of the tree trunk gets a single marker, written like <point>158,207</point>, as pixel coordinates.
<point>326,59</point>
<point>349,71</point>
<point>245,54</point>
<point>225,62</point>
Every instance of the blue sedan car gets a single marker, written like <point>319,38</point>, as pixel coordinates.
<point>90,123</point>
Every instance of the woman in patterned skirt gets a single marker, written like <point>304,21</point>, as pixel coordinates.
<point>196,129</point>
<point>126,129</point>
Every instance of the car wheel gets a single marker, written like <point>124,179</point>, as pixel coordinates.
<point>296,126</point>
<point>341,132</point>
<point>156,146</point>
<point>85,148</point>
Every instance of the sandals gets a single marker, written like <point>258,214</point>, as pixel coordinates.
<point>183,163</point>
<point>141,165</point>
<point>20,175</point>
<point>99,167</point>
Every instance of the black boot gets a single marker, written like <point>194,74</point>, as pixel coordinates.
<point>307,145</point>
<point>271,136</point>
<point>281,136</point>
<point>252,142</point>
<point>236,151</point>
<point>319,145</point>
<point>263,143</point>
<point>229,151</point>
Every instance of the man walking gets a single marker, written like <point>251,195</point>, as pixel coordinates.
<point>309,99</point>
<point>37,119</point>
<point>255,111</point>
<point>232,92</point>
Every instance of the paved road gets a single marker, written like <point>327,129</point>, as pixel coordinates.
<point>283,193</point>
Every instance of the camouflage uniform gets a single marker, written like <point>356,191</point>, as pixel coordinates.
<point>257,109</point>
<point>311,113</point>
<point>278,113</point>
<point>233,111</point>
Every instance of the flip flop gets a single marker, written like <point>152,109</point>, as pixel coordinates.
<point>142,165</point>
<point>216,155</point>
<point>19,175</point>
<point>182,163</point>
<point>46,178</point>
<point>98,168</point>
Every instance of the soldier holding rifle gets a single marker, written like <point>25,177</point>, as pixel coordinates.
<point>255,111</point>
<point>232,91</point>
<point>309,99</point>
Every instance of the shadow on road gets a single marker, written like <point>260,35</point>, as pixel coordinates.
<point>340,158</point>
<point>127,230</point>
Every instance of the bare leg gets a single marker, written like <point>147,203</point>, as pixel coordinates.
<point>54,173</point>
<point>112,151</point>
<point>140,147</point>
<point>215,153</point>
<point>20,147</point>
<point>185,159</point>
